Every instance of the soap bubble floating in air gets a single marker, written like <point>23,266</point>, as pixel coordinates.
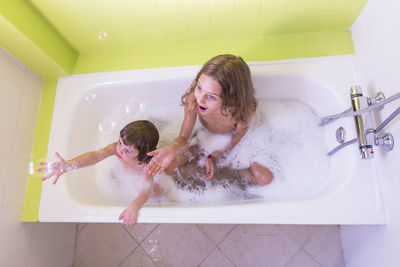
<point>102,36</point>
<point>134,108</point>
<point>107,126</point>
<point>37,164</point>
<point>90,98</point>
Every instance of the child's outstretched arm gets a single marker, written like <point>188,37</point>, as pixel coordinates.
<point>130,214</point>
<point>163,157</point>
<point>62,166</point>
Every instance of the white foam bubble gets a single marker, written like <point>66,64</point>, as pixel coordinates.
<point>284,136</point>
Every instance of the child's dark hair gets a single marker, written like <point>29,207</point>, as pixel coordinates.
<point>233,75</point>
<point>143,135</point>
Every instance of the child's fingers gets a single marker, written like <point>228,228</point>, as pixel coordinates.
<point>55,180</point>
<point>154,169</point>
<point>47,176</point>
<point>58,157</point>
<point>42,170</point>
<point>152,153</point>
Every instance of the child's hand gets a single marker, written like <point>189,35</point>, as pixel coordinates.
<point>129,215</point>
<point>162,158</point>
<point>57,168</point>
<point>210,169</point>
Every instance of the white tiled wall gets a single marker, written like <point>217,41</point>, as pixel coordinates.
<point>376,36</point>
<point>24,244</point>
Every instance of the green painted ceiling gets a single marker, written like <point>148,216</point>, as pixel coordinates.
<point>61,37</point>
<point>131,24</point>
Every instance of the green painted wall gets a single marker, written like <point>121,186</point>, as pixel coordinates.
<point>58,38</point>
<point>28,36</point>
<point>30,212</point>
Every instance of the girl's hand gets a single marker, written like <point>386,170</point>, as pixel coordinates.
<point>210,169</point>
<point>57,168</point>
<point>129,215</point>
<point>162,158</point>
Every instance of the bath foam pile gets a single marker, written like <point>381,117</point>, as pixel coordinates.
<point>284,136</point>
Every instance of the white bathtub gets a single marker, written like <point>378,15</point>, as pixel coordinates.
<point>350,194</point>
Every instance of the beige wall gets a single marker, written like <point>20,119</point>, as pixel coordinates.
<point>376,37</point>
<point>24,244</point>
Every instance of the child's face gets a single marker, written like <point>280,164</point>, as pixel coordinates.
<point>208,94</point>
<point>126,153</point>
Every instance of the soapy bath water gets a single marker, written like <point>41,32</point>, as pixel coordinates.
<point>284,136</point>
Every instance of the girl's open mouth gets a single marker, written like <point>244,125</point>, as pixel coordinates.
<point>202,109</point>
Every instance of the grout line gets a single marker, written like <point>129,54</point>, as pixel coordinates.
<point>215,246</point>
<point>133,251</point>
<point>233,228</point>
<point>30,241</point>
<point>140,244</point>
<point>210,20</point>
<point>294,255</point>
<point>260,12</point>
<point>76,243</point>
<point>222,241</point>
<point>147,254</point>
<point>152,230</point>
<point>124,227</point>
<point>186,20</point>
<point>226,256</point>
<point>149,233</point>
<point>305,251</point>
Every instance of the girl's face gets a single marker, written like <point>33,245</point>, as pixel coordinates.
<point>208,95</point>
<point>126,153</point>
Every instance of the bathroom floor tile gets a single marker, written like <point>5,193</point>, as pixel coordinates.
<point>81,226</point>
<point>216,232</point>
<point>138,258</point>
<point>216,259</point>
<point>302,259</point>
<point>258,245</point>
<point>104,244</point>
<point>300,234</point>
<point>52,235</point>
<point>325,246</point>
<point>177,245</point>
<point>141,230</point>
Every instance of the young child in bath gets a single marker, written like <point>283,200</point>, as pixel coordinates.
<point>136,139</point>
<point>222,98</point>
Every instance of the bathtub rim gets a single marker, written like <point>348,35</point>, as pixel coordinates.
<point>377,218</point>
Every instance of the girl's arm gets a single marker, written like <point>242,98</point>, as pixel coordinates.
<point>163,157</point>
<point>92,157</point>
<point>130,214</point>
<point>62,166</point>
<point>241,130</point>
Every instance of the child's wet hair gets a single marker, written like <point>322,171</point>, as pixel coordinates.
<point>143,135</point>
<point>233,75</point>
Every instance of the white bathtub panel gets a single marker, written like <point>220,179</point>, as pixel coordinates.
<point>349,196</point>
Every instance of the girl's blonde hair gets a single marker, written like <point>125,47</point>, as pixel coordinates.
<point>233,75</point>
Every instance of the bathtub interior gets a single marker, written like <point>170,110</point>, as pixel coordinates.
<point>106,104</point>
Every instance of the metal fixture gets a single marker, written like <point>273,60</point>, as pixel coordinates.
<point>340,134</point>
<point>366,134</point>
<point>386,141</point>
<point>377,99</point>
<point>364,125</point>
